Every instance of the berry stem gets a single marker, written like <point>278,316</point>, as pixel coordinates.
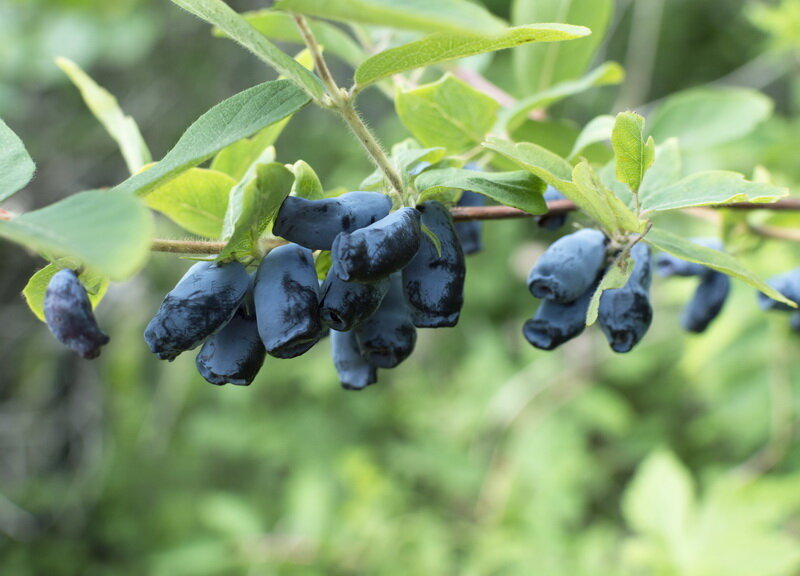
<point>343,102</point>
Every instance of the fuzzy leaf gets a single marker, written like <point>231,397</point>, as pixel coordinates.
<point>633,153</point>
<point>446,46</point>
<point>16,166</point>
<point>34,291</point>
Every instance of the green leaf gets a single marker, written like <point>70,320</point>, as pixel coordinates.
<point>582,185</point>
<point>196,200</point>
<point>516,189</point>
<point>34,291</point>
<point>603,75</point>
<point>16,166</point>
<point>706,117</point>
<point>714,187</point>
<point>424,15</point>
<point>602,204</point>
<point>719,261</point>
<point>665,171</point>
<point>306,182</point>
<point>219,14</point>
<point>237,158</point>
<point>598,130</point>
<point>660,502</point>
<point>237,117</point>
<point>253,204</point>
<point>616,277</point>
<point>123,129</point>
<point>446,46</point>
<point>323,263</point>
<point>108,233</point>
<point>539,67</point>
<point>633,154</point>
<point>448,113</point>
<point>281,27</point>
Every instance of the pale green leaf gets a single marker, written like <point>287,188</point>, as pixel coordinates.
<point>633,153</point>
<point>123,129</point>
<point>539,67</point>
<point>600,203</point>
<point>516,189</point>
<point>219,14</point>
<point>253,205</point>
<point>237,158</point>
<point>710,188</point>
<point>424,15</point>
<point>547,165</point>
<point>306,182</point>
<point>603,75</point>
<point>659,502</point>
<point>16,166</point>
<point>280,26</point>
<point>448,113</point>
<point>615,277</point>
<point>714,259</point>
<point>598,130</point>
<point>705,117</point>
<point>446,46</point>
<point>34,291</point>
<point>237,117</point>
<point>107,232</point>
<point>196,200</point>
<point>665,171</point>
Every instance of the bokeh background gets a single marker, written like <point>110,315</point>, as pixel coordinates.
<point>480,455</point>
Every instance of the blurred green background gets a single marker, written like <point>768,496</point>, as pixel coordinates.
<point>480,455</point>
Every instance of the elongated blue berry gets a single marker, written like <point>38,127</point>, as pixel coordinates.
<point>554,323</point>
<point>235,354</point>
<point>203,301</point>
<point>380,249</point>
<point>355,373</point>
<point>286,297</point>
<point>314,224</point>
<point>389,336</point>
<point>345,305</point>
<point>69,315</point>
<point>625,313</point>
<point>434,279</point>
<point>707,302</point>
<point>569,266</point>
<point>470,233</point>
<point>787,284</point>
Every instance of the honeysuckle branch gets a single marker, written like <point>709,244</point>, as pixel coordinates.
<point>343,102</point>
<point>464,214</point>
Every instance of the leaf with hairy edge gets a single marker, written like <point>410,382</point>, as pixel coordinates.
<point>34,291</point>
<point>448,113</point>
<point>445,46</point>
<point>196,200</point>
<point>219,14</point>
<point>518,189</point>
<point>598,130</point>
<point>632,153</point>
<point>540,67</point>
<point>281,27</point>
<point>437,16</point>
<point>123,129</point>
<point>16,166</point>
<point>306,182</point>
<point>705,117</point>
<point>253,205</point>
<point>710,188</point>
<point>603,75</point>
<point>615,277</point>
<point>237,117</point>
<point>107,233</point>
<point>714,259</point>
